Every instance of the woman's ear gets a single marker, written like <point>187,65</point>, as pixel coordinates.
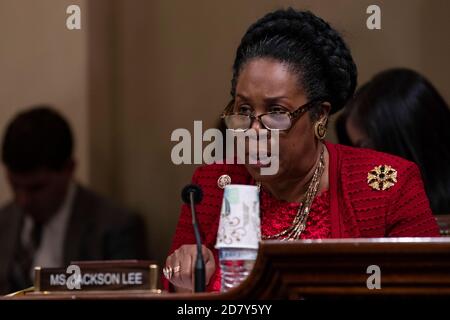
<point>324,111</point>
<point>326,107</point>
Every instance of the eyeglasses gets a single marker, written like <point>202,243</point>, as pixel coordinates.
<point>274,120</point>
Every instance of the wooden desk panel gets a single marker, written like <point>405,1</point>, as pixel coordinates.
<point>410,267</point>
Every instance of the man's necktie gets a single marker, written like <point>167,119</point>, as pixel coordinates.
<point>25,255</point>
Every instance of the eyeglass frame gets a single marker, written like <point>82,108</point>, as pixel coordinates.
<point>293,116</point>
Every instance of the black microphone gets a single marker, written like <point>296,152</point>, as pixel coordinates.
<point>192,194</point>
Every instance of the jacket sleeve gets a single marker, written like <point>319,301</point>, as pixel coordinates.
<point>410,214</point>
<point>184,232</point>
<point>126,239</point>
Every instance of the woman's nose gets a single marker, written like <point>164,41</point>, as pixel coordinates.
<point>256,124</point>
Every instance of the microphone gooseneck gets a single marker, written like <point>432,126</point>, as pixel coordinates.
<point>192,194</point>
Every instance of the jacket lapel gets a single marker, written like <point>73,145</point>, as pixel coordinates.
<point>343,220</point>
<point>77,228</point>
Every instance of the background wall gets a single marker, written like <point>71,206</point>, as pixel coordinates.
<point>140,69</point>
<point>41,61</point>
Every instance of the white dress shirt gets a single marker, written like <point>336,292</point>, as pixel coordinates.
<point>51,249</point>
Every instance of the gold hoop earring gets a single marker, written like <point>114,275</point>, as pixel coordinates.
<point>320,130</point>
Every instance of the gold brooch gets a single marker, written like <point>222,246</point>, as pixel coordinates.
<point>382,177</point>
<point>223,181</point>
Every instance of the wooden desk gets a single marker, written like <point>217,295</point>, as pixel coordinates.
<point>410,267</point>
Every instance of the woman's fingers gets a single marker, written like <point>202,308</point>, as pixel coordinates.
<point>182,264</point>
<point>185,262</point>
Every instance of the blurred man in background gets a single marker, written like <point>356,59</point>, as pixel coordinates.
<point>53,220</point>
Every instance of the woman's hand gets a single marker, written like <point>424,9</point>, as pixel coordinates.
<point>182,263</point>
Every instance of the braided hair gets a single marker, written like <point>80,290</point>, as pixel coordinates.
<point>309,47</point>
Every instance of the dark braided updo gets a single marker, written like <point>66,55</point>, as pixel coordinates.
<point>309,47</point>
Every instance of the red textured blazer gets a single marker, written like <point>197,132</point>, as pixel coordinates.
<point>357,210</point>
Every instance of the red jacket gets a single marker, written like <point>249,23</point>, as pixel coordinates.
<point>357,210</point>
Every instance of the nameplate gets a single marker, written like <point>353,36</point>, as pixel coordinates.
<point>99,275</point>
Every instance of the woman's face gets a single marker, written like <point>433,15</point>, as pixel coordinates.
<point>268,85</point>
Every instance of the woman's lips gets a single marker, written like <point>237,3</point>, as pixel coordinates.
<point>254,159</point>
<point>259,164</point>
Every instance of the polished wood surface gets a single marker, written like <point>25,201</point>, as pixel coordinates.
<point>410,267</point>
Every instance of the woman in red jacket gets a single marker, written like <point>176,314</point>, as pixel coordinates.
<point>291,71</point>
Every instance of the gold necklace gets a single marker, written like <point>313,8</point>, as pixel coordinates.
<point>297,226</point>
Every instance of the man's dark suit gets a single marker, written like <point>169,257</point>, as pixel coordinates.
<point>96,230</point>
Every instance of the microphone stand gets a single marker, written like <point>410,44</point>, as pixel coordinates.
<point>200,281</point>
